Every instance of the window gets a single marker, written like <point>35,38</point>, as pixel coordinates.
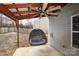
<point>75,31</point>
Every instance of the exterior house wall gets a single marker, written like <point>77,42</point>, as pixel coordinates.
<point>60,30</point>
<point>43,24</point>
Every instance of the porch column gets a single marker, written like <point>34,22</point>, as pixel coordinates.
<point>17,27</point>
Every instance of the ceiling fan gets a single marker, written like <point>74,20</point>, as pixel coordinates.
<point>45,12</point>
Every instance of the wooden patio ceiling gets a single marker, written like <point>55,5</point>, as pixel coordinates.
<point>25,10</point>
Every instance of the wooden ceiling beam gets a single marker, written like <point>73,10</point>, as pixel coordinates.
<point>5,11</point>
<point>17,9</point>
<point>25,17</point>
<point>24,12</point>
<point>23,5</point>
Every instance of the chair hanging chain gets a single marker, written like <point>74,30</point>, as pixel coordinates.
<point>39,23</point>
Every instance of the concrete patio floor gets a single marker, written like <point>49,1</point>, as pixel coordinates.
<point>42,50</point>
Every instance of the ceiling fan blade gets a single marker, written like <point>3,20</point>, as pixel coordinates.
<point>35,15</point>
<point>55,8</point>
<point>50,7</point>
<point>53,13</point>
<point>34,8</point>
<point>44,6</point>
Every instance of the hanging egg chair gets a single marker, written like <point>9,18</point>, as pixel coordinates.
<point>37,37</point>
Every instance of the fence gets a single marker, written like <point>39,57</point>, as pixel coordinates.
<point>13,29</point>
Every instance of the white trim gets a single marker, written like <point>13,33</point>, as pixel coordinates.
<point>75,15</point>
<point>75,31</point>
<point>71,31</point>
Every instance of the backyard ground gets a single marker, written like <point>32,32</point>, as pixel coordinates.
<point>8,42</point>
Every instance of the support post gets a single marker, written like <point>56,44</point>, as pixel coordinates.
<point>17,27</point>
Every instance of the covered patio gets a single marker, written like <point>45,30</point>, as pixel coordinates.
<point>21,11</point>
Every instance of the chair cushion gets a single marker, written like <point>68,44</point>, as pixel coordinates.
<point>37,40</point>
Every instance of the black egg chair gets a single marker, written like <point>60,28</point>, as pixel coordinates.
<point>37,37</point>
